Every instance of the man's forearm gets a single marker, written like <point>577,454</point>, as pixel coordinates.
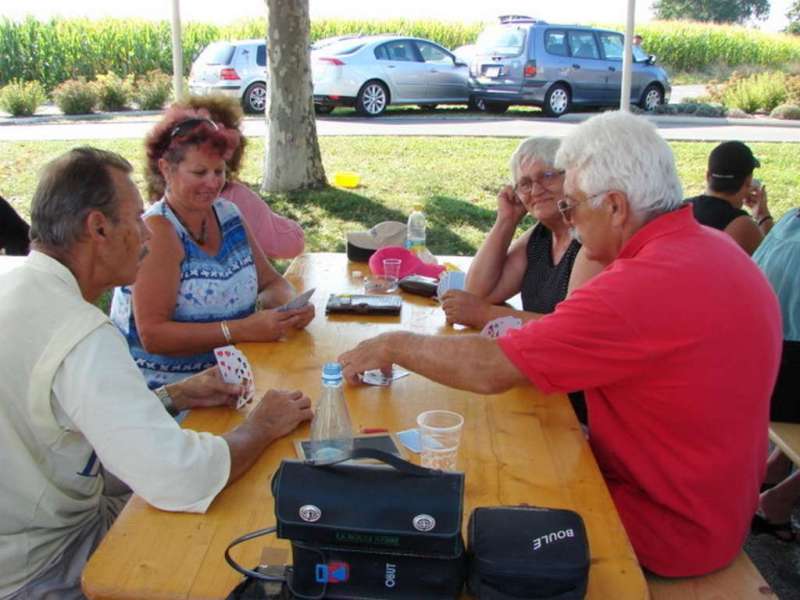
<point>468,362</point>
<point>245,446</point>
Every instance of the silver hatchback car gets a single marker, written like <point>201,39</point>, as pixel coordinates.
<point>237,69</point>
<point>372,72</point>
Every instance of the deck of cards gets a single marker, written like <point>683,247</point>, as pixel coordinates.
<point>500,326</point>
<point>235,368</point>
<point>378,377</point>
<point>298,301</point>
<point>450,280</point>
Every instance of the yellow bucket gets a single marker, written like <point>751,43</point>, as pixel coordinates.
<point>346,179</point>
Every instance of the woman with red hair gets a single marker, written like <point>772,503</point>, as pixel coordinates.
<point>198,285</point>
<point>278,236</point>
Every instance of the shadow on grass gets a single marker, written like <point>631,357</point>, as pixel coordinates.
<point>342,207</point>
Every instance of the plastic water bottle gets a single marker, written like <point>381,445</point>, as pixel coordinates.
<point>415,235</point>
<point>415,231</point>
<point>331,431</point>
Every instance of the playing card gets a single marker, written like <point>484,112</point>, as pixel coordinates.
<point>450,280</point>
<point>498,327</point>
<point>410,439</point>
<point>297,302</point>
<point>235,368</point>
<point>377,377</point>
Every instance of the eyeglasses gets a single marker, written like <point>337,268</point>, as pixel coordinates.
<point>566,205</point>
<point>547,179</point>
<point>184,127</point>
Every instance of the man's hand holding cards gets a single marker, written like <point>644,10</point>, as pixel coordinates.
<point>235,368</point>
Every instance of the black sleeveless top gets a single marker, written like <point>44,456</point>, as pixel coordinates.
<point>714,212</point>
<point>544,284</point>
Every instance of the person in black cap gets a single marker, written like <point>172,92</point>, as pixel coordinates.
<point>729,185</point>
<point>13,231</point>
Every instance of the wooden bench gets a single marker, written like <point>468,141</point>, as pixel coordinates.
<point>738,581</point>
<point>786,436</point>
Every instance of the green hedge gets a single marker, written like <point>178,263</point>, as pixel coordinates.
<point>690,46</point>
<point>53,51</point>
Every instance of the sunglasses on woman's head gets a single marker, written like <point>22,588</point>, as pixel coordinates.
<point>184,127</point>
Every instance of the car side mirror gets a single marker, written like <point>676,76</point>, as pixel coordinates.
<point>651,60</point>
<point>459,63</point>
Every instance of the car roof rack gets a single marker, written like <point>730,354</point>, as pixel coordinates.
<point>517,19</point>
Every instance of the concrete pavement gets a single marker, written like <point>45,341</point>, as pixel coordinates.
<point>134,125</point>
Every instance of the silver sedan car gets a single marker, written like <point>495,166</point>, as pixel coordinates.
<point>373,72</point>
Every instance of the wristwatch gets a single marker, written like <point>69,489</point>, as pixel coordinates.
<point>166,399</point>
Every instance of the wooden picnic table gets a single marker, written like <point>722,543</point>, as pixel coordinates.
<point>517,447</point>
<point>787,437</point>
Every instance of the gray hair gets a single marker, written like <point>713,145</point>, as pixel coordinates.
<point>543,148</point>
<point>623,152</point>
<point>71,186</point>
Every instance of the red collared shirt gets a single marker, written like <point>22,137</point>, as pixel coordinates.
<point>677,344</point>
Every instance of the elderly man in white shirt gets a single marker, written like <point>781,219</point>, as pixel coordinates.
<point>74,408</point>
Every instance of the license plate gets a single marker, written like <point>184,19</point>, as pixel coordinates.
<point>492,71</point>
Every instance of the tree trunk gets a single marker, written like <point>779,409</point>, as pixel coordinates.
<point>292,159</point>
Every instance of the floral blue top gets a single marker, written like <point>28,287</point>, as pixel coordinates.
<point>212,288</point>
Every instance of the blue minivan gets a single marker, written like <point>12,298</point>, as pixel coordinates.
<point>556,67</point>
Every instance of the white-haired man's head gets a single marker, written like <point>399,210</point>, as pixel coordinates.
<point>623,152</point>
<point>619,163</point>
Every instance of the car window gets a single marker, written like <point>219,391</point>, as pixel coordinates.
<point>502,41</point>
<point>640,55</point>
<point>582,44</point>
<point>613,47</point>
<point>555,42</point>
<point>218,53</point>
<point>261,55</point>
<point>398,50</point>
<point>434,54</point>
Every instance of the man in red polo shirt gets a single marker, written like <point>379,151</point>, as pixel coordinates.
<point>676,343</point>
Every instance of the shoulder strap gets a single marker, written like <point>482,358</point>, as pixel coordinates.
<point>385,457</point>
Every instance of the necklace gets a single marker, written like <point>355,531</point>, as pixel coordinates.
<point>199,239</point>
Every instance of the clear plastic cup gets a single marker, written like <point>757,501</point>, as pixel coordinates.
<point>440,436</point>
<point>391,272</point>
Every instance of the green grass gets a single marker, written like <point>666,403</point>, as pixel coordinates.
<point>456,179</point>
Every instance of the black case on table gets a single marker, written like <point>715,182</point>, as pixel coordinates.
<point>520,552</point>
<point>364,304</point>
<point>372,531</point>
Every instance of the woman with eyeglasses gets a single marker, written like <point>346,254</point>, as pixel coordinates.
<point>543,265</point>
<point>278,236</point>
<point>198,284</point>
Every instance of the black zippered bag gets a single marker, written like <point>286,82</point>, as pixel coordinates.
<point>522,552</point>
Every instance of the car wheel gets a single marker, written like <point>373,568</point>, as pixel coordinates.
<point>255,98</point>
<point>557,101</point>
<point>323,109</point>
<point>476,104</point>
<point>653,96</point>
<point>428,106</point>
<point>372,99</point>
<point>496,108</point>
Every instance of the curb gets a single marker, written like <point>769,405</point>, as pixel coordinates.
<point>106,117</point>
<point>132,115</point>
<point>690,120</point>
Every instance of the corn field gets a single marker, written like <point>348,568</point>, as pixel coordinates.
<point>53,51</point>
